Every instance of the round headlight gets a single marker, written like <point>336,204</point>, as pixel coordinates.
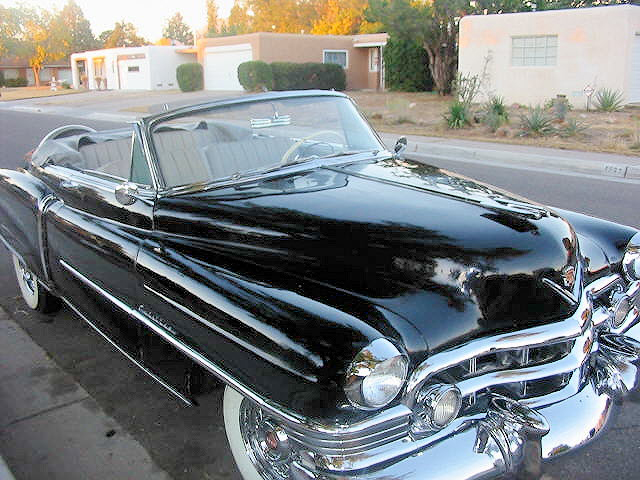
<point>376,375</point>
<point>631,259</point>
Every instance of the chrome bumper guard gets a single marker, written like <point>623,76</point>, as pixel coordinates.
<point>510,436</point>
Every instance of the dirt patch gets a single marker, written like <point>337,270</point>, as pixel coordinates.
<point>22,93</point>
<point>423,114</point>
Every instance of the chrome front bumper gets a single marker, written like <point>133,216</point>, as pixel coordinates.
<point>510,436</point>
<point>513,438</point>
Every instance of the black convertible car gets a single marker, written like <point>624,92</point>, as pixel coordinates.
<point>371,316</point>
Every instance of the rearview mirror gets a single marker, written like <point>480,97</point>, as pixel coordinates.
<point>401,145</point>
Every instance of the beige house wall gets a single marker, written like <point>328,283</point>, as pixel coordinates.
<point>594,48</point>
<point>284,47</point>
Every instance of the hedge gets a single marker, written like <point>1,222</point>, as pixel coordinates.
<point>306,76</point>
<point>190,77</point>
<point>16,82</point>
<point>255,76</point>
<point>1,78</point>
<point>406,66</point>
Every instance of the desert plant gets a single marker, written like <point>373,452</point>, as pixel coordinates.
<point>495,113</point>
<point>65,85</point>
<point>466,88</point>
<point>458,115</point>
<point>190,77</point>
<point>572,128</point>
<point>536,122</point>
<point>255,76</point>
<point>559,106</point>
<point>609,100</point>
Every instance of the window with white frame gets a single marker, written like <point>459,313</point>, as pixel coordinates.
<point>336,56</point>
<point>374,59</point>
<point>538,50</point>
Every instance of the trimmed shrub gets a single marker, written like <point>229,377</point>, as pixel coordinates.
<point>406,66</point>
<point>1,78</point>
<point>190,77</point>
<point>255,76</point>
<point>306,76</point>
<point>16,82</point>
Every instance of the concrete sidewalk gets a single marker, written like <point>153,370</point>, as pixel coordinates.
<point>50,428</point>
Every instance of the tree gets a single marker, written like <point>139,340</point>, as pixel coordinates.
<point>103,37</point>
<point>212,19</point>
<point>339,17</point>
<point>434,24</point>
<point>11,20</point>
<point>124,35</point>
<point>176,29</point>
<point>239,20</point>
<point>39,43</point>
<point>72,29</point>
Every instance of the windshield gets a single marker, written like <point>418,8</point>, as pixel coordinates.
<point>235,140</point>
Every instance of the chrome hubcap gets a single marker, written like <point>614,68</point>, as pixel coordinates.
<point>266,442</point>
<point>28,280</point>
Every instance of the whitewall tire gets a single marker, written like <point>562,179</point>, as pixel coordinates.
<point>33,293</point>
<point>258,444</point>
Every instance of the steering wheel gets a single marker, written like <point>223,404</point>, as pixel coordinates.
<point>285,158</point>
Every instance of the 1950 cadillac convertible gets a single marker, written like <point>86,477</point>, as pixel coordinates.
<point>372,317</point>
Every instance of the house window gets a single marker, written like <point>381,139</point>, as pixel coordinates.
<point>539,51</point>
<point>374,59</point>
<point>336,56</point>
<point>133,68</point>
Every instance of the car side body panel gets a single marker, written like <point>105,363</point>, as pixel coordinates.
<point>23,199</point>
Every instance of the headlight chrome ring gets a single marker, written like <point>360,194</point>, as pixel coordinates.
<point>631,259</point>
<point>376,375</point>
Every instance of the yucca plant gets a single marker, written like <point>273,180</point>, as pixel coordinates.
<point>572,128</point>
<point>536,122</point>
<point>458,115</point>
<point>609,100</point>
<point>495,113</point>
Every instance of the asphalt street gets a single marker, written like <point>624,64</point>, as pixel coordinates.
<point>189,443</point>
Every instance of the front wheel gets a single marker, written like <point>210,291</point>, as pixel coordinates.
<point>258,443</point>
<point>33,293</point>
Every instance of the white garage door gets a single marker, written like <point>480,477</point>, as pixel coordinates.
<point>221,66</point>
<point>634,89</point>
<point>132,75</point>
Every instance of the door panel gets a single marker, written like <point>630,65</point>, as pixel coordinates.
<point>96,235</point>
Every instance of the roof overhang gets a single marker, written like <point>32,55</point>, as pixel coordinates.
<point>369,44</point>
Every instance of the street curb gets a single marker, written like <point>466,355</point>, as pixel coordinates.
<point>518,158</point>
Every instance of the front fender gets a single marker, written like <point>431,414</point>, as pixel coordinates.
<point>23,200</point>
<point>610,237</point>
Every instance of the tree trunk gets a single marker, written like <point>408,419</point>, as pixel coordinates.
<point>36,75</point>
<point>439,66</point>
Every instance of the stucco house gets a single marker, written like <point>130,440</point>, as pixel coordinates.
<point>531,57</point>
<point>150,67</point>
<point>360,55</point>
<point>13,67</point>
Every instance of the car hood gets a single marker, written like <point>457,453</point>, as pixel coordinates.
<point>455,258</point>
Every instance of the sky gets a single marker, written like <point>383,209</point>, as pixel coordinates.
<point>149,16</point>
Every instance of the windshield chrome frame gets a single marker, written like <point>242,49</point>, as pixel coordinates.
<point>147,125</point>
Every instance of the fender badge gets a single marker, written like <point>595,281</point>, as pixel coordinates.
<point>467,279</point>
<point>569,276</point>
